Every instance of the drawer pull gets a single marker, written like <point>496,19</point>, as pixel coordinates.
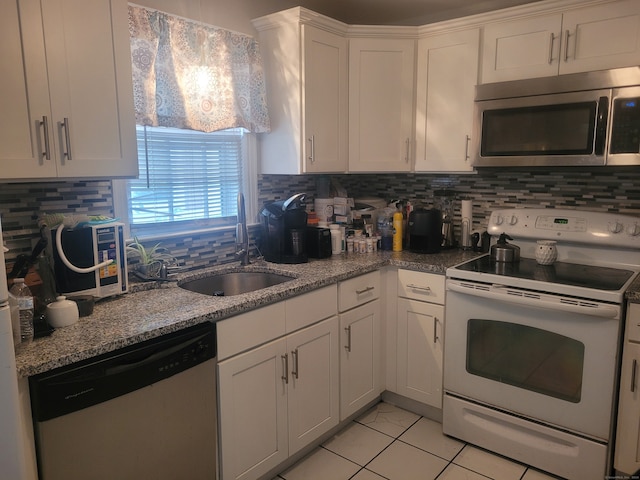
<point>67,136</point>
<point>45,125</point>
<point>418,287</point>
<point>285,375</point>
<point>435,330</point>
<point>634,369</point>
<point>347,347</point>
<point>365,290</point>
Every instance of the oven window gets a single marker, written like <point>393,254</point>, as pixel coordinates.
<point>526,357</point>
<point>539,130</point>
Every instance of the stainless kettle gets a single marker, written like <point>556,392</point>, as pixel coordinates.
<point>503,251</point>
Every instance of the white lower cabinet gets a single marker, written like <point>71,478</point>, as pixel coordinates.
<point>359,358</point>
<point>420,336</point>
<point>420,331</point>
<point>360,344</point>
<point>276,399</point>
<point>627,448</point>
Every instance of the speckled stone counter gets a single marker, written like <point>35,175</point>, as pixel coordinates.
<point>633,293</point>
<point>154,309</point>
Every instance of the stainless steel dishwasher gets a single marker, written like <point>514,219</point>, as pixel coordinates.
<point>145,411</point>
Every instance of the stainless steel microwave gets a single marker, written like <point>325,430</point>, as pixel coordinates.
<point>570,120</point>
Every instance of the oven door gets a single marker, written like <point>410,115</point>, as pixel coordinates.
<point>541,356</point>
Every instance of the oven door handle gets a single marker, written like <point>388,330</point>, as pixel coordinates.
<point>495,293</point>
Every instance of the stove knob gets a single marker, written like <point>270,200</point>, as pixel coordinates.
<point>615,227</point>
<point>512,220</point>
<point>498,220</point>
<point>633,230</point>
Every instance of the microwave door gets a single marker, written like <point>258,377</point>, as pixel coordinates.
<point>545,130</point>
<point>624,131</point>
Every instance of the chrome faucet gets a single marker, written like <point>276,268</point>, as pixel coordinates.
<point>242,237</point>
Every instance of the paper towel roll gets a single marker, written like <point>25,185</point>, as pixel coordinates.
<point>466,214</point>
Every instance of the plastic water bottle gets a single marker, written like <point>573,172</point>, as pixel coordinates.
<point>25,306</point>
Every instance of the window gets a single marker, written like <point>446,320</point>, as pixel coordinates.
<point>188,180</point>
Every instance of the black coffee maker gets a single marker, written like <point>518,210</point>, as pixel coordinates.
<point>284,225</point>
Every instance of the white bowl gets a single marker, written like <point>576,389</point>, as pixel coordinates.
<point>62,312</point>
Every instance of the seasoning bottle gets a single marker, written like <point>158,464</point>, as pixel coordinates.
<point>397,231</point>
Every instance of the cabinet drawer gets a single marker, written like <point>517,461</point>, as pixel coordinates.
<point>311,307</point>
<point>358,290</point>
<point>248,330</point>
<point>633,322</point>
<point>428,287</point>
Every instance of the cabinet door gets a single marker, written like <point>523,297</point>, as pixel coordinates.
<point>381,88</point>
<point>325,101</point>
<point>518,49</point>
<point>447,76</point>
<point>420,340</point>
<point>253,411</point>
<point>313,397</point>
<point>601,37</point>
<point>92,124</point>
<point>359,357</point>
<point>24,100</point>
<point>627,448</point>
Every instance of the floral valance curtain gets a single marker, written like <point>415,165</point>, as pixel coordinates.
<point>195,76</point>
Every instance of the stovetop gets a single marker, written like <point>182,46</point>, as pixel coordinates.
<point>585,276</point>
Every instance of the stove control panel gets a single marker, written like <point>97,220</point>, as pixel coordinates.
<point>594,228</point>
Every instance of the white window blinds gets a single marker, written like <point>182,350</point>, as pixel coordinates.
<point>185,176</point>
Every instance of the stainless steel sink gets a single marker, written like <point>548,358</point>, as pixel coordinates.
<point>234,283</point>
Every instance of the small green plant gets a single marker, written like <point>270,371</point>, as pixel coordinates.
<point>148,260</point>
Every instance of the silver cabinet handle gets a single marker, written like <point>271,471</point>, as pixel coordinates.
<point>567,34</point>
<point>312,149</point>
<point>418,287</point>
<point>294,358</point>
<point>364,290</point>
<point>285,375</point>
<point>634,369</point>
<point>347,347</point>
<point>553,37</point>
<point>466,147</point>
<point>45,126</point>
<point>435,330</point>
<point>408,144</point>
<point>67,135</point>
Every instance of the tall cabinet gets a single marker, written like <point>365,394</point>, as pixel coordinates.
<point>305,58</point>
<point>446,79</point>
<point>381,86</point>
<point>67,84</point>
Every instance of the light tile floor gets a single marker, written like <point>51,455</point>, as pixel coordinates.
<point>390,443</point>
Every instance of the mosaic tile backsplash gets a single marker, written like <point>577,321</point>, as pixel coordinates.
<point>600,189</point>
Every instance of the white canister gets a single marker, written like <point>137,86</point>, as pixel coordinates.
<point>336,239</point>
<point>62,312</point>
<point>546,252</point>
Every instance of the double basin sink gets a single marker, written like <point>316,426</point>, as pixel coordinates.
<point>234,283</point>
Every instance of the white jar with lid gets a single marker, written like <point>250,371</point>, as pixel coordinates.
<point>62,312</point>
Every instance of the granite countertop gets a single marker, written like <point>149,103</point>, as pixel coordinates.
<point>154,309</point>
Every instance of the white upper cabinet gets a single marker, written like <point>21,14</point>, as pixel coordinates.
<point>306,76</point>
<point>381,86</point>
<point>446,80</point>
<point>67,83</point>
<point>577,40</point>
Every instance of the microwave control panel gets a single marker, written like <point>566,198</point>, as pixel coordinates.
<point>625,127</point>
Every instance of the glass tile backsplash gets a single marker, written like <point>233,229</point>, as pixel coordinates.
<point>599,189</point>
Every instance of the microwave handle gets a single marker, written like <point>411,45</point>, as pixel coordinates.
<point>602,119</point>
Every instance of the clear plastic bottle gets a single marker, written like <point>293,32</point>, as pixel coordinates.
<point>25,306</point>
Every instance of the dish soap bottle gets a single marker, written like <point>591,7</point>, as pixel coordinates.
<point>397,231</point>
<point>25,307</point>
